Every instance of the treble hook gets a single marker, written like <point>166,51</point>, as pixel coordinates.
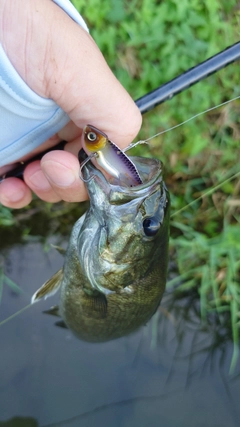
<point>83,164</point>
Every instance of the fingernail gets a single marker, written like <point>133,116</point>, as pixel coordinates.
<point>12,196</point>
<point>58,174</point>
<point>39,181</point>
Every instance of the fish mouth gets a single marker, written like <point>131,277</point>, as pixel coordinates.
<point>149,170</point>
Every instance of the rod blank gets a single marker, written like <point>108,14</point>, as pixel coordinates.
<point>189,78</point>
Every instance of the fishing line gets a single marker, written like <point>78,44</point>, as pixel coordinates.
<point>210,191</point>
<point>180,124</point>
<point>15,314</point>
<point>207,193</point>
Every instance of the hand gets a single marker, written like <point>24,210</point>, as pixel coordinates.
<point>59,60</point>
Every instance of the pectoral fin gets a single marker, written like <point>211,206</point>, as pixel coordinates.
<point>95,305</point>
<point>49,288</point>
<point>61,324</point>
<point>59,249</point>
<point>54,311</point>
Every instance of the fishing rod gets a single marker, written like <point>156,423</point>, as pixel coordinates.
<point>189,78</point>
<point>163,93</point>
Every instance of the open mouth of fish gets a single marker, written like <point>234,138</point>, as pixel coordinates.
<point>149,171</point>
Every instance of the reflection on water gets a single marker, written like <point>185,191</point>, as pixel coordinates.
<point>173,372</point>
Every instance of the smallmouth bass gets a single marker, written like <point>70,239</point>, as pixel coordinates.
<point>115,266</point>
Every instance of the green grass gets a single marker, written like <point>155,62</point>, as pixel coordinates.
<point>146,43</point>
<point>6,217</point>
<point>4,280</point>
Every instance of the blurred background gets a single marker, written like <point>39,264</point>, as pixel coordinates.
<point>147,43</point>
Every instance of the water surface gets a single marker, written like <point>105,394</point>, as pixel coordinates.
<point>173,372</point>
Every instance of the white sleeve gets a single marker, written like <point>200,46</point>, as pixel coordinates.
<point>68,7</point>
<point>27,119</point>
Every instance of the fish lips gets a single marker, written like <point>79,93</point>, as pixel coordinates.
<point>149,169</point>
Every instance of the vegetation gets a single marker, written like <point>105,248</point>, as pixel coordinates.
<point>146,43</point>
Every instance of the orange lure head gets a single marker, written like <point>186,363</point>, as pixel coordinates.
<point>94,139</point>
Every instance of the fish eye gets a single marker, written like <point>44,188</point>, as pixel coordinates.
<point>91,136</point>
<point>151,226</point>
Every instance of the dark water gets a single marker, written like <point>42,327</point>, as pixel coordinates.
<point>172,372</point>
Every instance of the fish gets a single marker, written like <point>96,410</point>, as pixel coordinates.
<point>115,267</point>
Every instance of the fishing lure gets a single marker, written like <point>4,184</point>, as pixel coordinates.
<point>110,157</point>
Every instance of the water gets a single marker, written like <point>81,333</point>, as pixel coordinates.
<point>176,377</point>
